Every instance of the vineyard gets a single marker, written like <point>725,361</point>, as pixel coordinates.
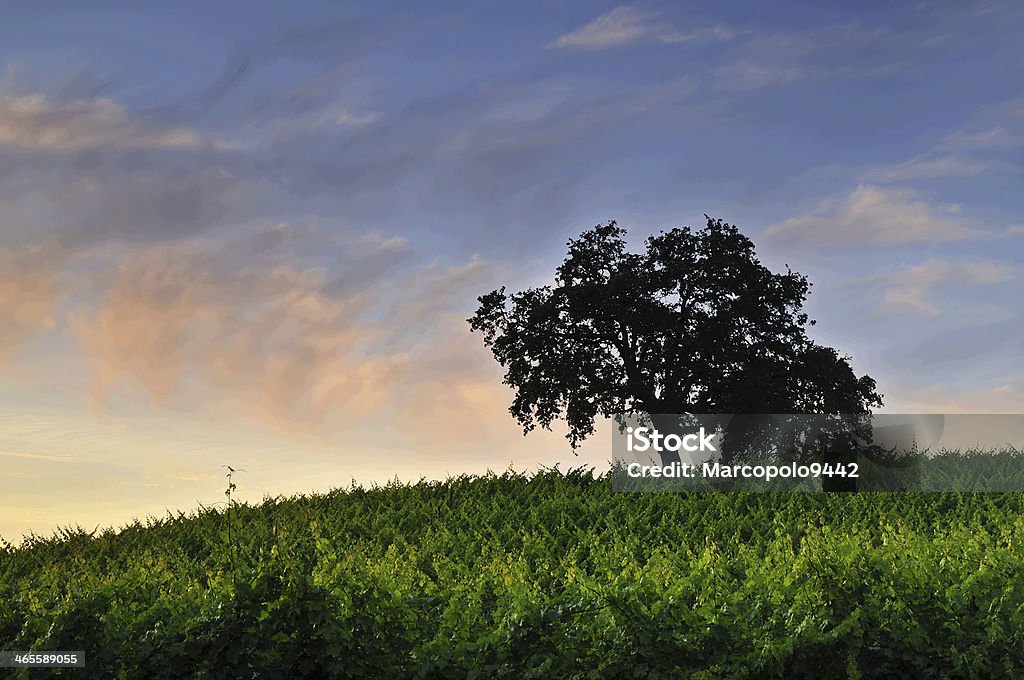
<point>548,576</point>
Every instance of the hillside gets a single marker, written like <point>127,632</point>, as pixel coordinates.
<point>549,576</point>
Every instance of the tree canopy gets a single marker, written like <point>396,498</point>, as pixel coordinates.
<point>693,324</point>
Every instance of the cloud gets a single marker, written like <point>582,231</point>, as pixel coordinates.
<point>1000,341</point>
<point>747,75</point>
<point>192,476</point>
<point>343,116</point>
<point>236,321</point>
<point>951,398</point>
<point>249,328</point>
<point>313,332</point>
<point>329,120</point>
<point>158,202</point>
<point>30,285</point>
<point>912,288</point>
<point>625,25</point>
<point>84,197</point>
<point>284,327</point>
<point>997,137</point>
<point>828,52</point>
<point>242,329</point>
<point>871,214</point>
<point>507,158</point>
<point>86,171</point>
<point>707,34</point>
<point>964,153</point>
<point>35,122</point>
<point>38,456</point>
<point>928,167</point>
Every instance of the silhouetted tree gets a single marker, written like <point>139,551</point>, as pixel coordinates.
<point>693,324</point>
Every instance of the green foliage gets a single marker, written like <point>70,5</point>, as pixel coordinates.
<point>550,576</point>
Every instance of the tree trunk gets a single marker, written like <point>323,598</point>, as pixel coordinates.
<point>839,450</point>
<point>666,425</point>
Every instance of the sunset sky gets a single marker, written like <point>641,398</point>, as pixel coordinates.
<point>250,233</point>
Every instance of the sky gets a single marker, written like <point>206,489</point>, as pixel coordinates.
<point>250,234</point>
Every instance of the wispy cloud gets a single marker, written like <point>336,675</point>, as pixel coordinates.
<point>30,285</point>
<point>954,398</point>
<point>329,120</point>
<point>38,456</point>
<point>989,348</point>
<point>261,329</point>
<point>872,214</point>
<point>997,137</point>
<point>912,288</point>
<point>626,25</point>
<point>748,75</point>
<point>192,477</point>
<point>251,326</point>
<point>36,122</point>
<point>928,166</point>
<point>344,116</point>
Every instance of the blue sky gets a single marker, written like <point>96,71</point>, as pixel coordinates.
<point>251,232</point>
